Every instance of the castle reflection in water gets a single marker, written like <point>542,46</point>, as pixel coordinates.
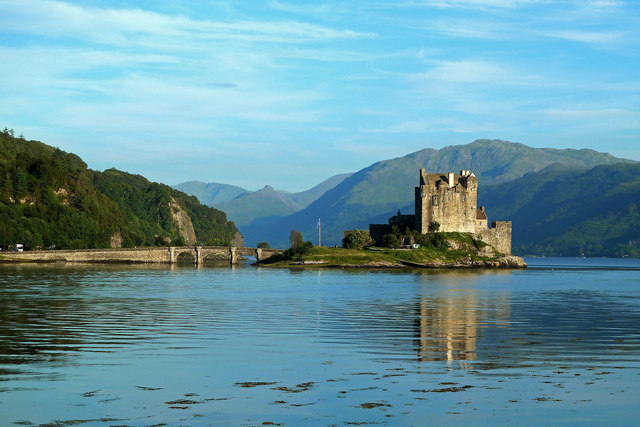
<point>451,320</point>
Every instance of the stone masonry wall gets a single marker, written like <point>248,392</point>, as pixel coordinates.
<point>142,255</point>
<point>498,236</point>
<point>137,255</point>
<point>452,203</point>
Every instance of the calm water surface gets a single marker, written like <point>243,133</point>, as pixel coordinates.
<point>558,343</point>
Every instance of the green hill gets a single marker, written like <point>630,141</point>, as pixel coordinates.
<point>564,211</point>
<point>49,197</point>
<point>304,198</point>
<point>372,194</point>
<point>267,201</point>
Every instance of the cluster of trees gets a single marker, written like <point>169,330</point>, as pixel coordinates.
<point>49,198</point>
<point>433,239</point>
<point>357,239</point>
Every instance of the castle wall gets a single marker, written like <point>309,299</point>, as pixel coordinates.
<point>402,221</point>
<point>450,200</point>
<point>481,224</point>
<point>498,236</point>
<point>377,231</point>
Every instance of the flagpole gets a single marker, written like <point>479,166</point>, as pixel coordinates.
<point>319,232</point>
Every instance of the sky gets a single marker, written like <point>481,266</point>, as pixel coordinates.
<point>289,93</point>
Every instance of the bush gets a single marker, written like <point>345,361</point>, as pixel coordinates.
<point>263,245</point>
<point>357,239</point>
<point>432,240</point>
<point>391,241</point>
<point>434,227</point>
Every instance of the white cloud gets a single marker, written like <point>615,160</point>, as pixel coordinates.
<point>474,4</point>
<point>598,7</point>
<point>601,118</point>
<point>470,71</point>
<point>132,26</point>
<point>479,29</point>
<point>594,37</point>
<point>324,10</point>
<point>436,125</point>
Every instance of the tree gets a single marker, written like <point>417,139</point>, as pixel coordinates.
<point>357,239</point>
<point>391,241</point>
<point>263,245</point>
<point>296,239</point>
<point>434,227</point>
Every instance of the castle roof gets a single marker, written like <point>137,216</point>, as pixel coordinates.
<point>480,214</point>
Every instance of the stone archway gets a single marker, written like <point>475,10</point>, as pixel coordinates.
<point>186,255</point>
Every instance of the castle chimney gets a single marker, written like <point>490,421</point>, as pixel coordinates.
<point>451,174</point>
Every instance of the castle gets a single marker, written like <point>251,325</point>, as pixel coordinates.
<point>450,200</point>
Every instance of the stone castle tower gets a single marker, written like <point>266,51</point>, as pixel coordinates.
<point>448,199</point>
<point>451,200</point>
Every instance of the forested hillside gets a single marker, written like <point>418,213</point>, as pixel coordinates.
<point>49,197</point>
<point>564,211</point>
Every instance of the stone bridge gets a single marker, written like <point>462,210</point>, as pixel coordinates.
<point>142,255</point>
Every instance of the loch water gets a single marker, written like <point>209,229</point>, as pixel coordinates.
<point>558,343</point>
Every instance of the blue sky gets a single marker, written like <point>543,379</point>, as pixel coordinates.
<point>289,93</point>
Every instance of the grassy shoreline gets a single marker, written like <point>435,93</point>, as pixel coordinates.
<point>462,252</point>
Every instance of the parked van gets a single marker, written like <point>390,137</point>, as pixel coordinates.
<point>19,247</point>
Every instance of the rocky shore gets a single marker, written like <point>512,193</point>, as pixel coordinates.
<point>504,262</point>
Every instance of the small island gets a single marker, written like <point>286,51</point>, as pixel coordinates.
<point>450,250</point>
<point>446,231</point>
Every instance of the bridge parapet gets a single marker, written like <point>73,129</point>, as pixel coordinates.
<point>169,255</point>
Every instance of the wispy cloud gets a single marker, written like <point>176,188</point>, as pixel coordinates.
<point>466,28</point>
<point>328,11</point>
<point>475,4</point>
<point>482,29</point>
<point>470,71</point>
<point>223,85</point>
<point>127,26</point>
<point>595,37</point>
<point>611,118</point>
<point>279,79</point>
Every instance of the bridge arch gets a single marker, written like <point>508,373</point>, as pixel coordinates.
<point>186,255</point>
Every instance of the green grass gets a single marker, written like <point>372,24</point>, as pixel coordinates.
<point>467,249</point>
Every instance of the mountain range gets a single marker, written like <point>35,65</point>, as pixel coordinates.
<point>243,206</point>
<point>212,193</point>
<point>562,202</point>
<point>374,193</point>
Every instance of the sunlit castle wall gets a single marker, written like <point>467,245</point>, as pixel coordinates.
<point>449,199</point>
